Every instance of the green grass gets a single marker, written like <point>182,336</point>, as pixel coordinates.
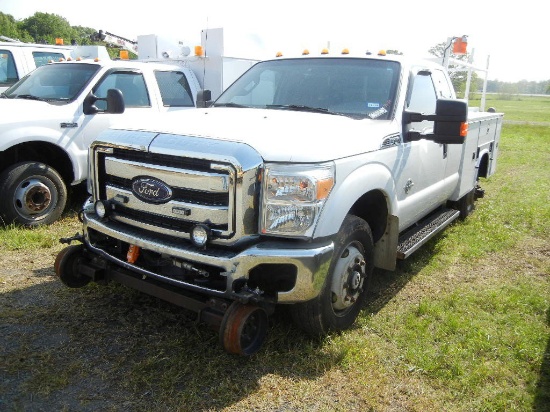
<point>462,325</point>
<point>519,108</point>
<point>17,238</point>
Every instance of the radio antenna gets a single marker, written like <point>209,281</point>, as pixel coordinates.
<point>204,59</point>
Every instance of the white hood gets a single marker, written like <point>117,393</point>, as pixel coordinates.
<point>32,112</point>
<point>277,135</point>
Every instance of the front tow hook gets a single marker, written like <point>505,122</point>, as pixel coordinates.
<point>77,236</point>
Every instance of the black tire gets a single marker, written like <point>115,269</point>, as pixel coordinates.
<point>466,204</point>
<point>33,194</point>
<point>66,267</point>
<point>345,289</point>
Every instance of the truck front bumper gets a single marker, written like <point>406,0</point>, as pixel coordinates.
<point>310,262</point>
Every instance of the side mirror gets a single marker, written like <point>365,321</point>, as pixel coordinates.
<point>204,98</point>
<point>114,100</point>
<point>450,125</point>
<point>89,106</point>
<point>450,122</point>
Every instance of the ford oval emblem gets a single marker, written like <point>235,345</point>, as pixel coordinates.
<point>151,190</point>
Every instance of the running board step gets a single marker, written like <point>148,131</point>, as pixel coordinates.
<point>413,238</point>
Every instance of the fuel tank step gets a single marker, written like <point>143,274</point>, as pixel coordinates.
<point>413,238</point>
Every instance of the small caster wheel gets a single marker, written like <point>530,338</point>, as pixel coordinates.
<point>66,267</point>
<point>243,329</point>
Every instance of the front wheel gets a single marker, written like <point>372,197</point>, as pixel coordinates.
<point>33,194</point>
<point>345,289</point>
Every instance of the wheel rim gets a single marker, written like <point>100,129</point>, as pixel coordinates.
<point>34,197</point>
<point>252,330</point>
<point>347,284</point>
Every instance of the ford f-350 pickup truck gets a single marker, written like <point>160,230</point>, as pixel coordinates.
<point>289,189</point>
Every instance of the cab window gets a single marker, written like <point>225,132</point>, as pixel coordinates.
<point>8,72</point>
<point>422,98</point>
<point>442,86</point>
<point>131,84</point>
<point>174,89</point>
<point>41,58</point>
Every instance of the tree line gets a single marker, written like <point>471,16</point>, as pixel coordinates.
<point>46,28</point>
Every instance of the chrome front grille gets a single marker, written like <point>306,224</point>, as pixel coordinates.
<point>212,182</point>
<point>202,192</point>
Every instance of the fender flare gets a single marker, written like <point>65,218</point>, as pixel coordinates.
<point>346,193</point>
<point>482,154</point>
<point>46,135</point>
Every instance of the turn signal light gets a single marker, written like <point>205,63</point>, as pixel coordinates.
<point>463,129</point>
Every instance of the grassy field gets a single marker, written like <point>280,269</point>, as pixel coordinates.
<point>462,325</point>
<point>519,108</point>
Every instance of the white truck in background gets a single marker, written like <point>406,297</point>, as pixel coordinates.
<point>309,172</point>
<point>18,58</point>
<point>50,117</point>
<point>213,69</point>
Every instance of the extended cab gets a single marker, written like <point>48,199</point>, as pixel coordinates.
<point>303,176</point>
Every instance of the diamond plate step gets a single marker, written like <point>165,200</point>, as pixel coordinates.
<point>418,235</point>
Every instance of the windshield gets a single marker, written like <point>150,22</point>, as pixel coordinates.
<point>53,82</point>
<point>360,88</point>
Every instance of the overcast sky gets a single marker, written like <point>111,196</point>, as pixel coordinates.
<point>511,33</point>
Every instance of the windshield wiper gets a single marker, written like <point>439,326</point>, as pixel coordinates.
<point>229,105</point>
<point>30,97</point>
<point>298,107</point>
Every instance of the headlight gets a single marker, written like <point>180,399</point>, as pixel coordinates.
<point>293,196</point>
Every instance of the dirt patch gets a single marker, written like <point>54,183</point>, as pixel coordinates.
<point>112,348</point>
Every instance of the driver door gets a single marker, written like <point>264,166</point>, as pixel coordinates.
<point>420,183</point>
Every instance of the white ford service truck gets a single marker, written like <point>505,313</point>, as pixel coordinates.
<point>50,117</point>
<point>304,175</point>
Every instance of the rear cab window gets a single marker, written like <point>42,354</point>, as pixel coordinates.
<point>174,89</point>
<point>41,58</point>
